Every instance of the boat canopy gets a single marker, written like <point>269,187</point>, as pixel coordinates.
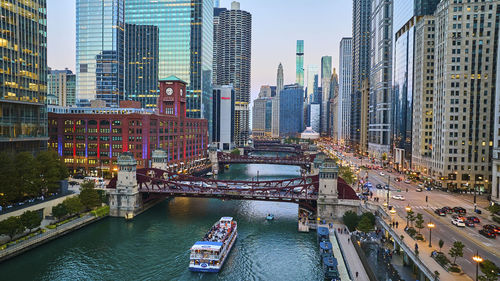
<point>226,218</point>
<point>207,245</point>
<point>325,245</point>
<point>323,231</point>
<point>330,261</point>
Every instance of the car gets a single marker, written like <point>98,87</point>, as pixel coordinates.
<point>459,210</point>
<point>382,174</point>
<point>469,223</point>
<point>493,228</point>
<point>366,193</point>
<point>386,187</point>
<point>398,197</point>
<point>487,233</point>
<point>474,219</point>
<point>458,222</point>
<point>440,212</point>
<point>407,181</point>
<point>448,210</point>
<point>79,176</point>
<point>420,185</point>
<point>378,186</point>
<point>419,189</point>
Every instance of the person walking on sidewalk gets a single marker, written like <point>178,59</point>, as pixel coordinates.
<point>397,224</point>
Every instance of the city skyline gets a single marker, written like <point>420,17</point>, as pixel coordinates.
<point>268,51</point>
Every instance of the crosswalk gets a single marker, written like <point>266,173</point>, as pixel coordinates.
<point>416,207</point>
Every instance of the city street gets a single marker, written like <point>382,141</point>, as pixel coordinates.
<point>473,241</point>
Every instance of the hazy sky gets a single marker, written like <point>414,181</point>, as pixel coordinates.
<point>277,24</point>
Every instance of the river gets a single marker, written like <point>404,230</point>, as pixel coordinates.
<point>155,245</point>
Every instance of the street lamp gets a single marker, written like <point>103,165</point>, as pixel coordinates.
<point>408,209</point>
<point>430,225</point>
<point>478,259</point>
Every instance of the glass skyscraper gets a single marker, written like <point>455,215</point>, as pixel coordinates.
<point>291,103</point>
<point>100,73</point>
<point>300,63</point>
<point>23,76</point>
<point>185,45</point>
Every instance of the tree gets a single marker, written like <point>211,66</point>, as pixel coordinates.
<point>494,209</point>
<point>73,205</point>
<point>7,178</point>
<point>419,222</point>
<point>26,176</point>
<point>51,171</point>
<point>11,227</point>
<point>31,220</point>
<point>59,211</point>
<point>410,216</point>
<point>365,225</point>
<point>490,270</point>
<point>384,156</point>
<point>89,197</point>
<point>440,243</point>
<point>351,220</point>
<point>347,174</point>
<point>457,250</point>
<point>370,216</point>
<point>235,151</point>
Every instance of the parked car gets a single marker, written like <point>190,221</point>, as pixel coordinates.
<point>419,189</point>
<point>382,174</point>
<point>493,228</point>
<point>458,222</point>
<point>440,212</point>
<point>448,210</point>
<point>469,223</point>
<point>378,186</point>
<point>487,233</point>
<point>398,197</point>
<point>408,181</point>
<point>459,210</point>
<point>474,219</point>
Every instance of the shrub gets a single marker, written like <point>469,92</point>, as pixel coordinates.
<point>496,219</point>
<point>441,259</point>
<point>454,269</point>
<point>411,231</point>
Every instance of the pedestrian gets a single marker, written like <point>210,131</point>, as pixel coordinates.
<point>357,274</point>
<point>348,240</point>
<point>397,224</point>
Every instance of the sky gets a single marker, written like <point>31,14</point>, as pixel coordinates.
<point>276,26</point>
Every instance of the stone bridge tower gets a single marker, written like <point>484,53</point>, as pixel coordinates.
<point>212,155</point>
<point>125,200</point>
<point>159,159</point>
<point>327,193</point>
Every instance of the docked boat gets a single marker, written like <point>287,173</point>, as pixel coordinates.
<point>209,254</point>
<point>270,217</point>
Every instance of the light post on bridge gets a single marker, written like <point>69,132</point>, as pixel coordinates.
<point>478,259</point>
<point>408,209</point>
<point>430,225</point>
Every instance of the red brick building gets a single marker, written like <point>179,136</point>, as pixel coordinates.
<point>90,139</point>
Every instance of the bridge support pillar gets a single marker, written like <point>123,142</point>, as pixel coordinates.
<point>327,193</point>
<point>159,159</point>
<point>125,200</point>
<point>212,155</point>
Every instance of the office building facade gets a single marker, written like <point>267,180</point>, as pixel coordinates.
<point>291,102</point>
<point>299,63</point>
<point>234,53</point>
<point>217,12</point>
<point>23,86</point>
<point>314,116</point>
<point>312,72</point>
<point>361,30</point>
<point>141,64</point>
<point>495,182</point>
<point>345,85</point>
<point>275,104</point>
<point>61,87</point>
<point>223,113</point>
<point>100,26</point>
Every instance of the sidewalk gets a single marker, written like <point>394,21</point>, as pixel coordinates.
<point>343,271</point>
<point>425,253</point>
<point>350,254</point>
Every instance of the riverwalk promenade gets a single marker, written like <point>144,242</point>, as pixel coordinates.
<point>350,255</point>
<point>47,236</point>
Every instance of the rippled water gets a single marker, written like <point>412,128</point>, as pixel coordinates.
<point>154,246</point>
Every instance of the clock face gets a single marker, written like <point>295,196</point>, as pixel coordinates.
<point>170,91</point>
<point>181,92</point>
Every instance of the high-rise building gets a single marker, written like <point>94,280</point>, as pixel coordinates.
<point>275,115</point>
<point>279,79</point>
<point>361,23</point>
<point>345,85</point>
<point>100,26</point>
<point>326,75</point>
<point>23,79</point>
<point>61,87</point>
<point>312,72</point>
<point>265,91</point>
<point>234,43</point>
<point>314,111</point>
<point>291,102</point>
<point>216,3</point>
<point>299,63</point>
<point>223,117</point>
<point>379,126</point>
<point>406,16</point>
<point>333,106</point>
<point>466,47</point>
<point>217,12</point>
<point>423,95</point>
<point>185,45</point>
<point>259,117</point>
<point>141,64</point>
<point>363,124</point>
<point>495,182</point>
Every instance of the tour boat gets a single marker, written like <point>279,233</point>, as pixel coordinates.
<point>209,254</point>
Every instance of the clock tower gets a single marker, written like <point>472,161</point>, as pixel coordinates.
<point>172,99</point>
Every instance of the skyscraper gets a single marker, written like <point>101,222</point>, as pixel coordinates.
<point>379,126</point>
<point>185,45</point>
<point>333,106</point>
<point>291,102</point>
<point>23,81</point>
<point>100,68</point>
<point>279,79</point>
<point>299,63</point>
<point>360,64</point>
<point>312,72</point>
<point>141,61</point>
<point>234,53</point>
<point>223,117</point>
<point>217,12</point>
<point>345,84</point>
<point>275,115</point>
<point>326,76</point>
<point>61,87</point>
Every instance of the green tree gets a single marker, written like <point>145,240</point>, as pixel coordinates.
<point>365,225</point>
<point>89,196</point>
<point>235,151</point>
<point>419,222</point>
<point>351,220</point>
<point>73,205</point>
<point>7,178</point>
<point>11,227</point>
<point>59,211</point>
<point>25,177</point>
<point>494,209</point>
<point>441,244</point>
<point>490,270</point>
<point>51,171</point>
<point>370,216</point>
<point>31,220</point>
<point>457,250</point>
<point>347,174</point>
<point>410,216</point>
<point>384,156</point>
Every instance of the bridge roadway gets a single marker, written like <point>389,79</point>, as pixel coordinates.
<point>226,158</point>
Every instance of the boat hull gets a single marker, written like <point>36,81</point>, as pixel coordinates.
<point>207,268</point>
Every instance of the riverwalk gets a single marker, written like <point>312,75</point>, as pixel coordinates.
<point>47,236</point>
<point>350,255</point>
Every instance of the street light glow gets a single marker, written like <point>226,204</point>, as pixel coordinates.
<point>477,258</point>
<point>430,225</point>
<point>392,211</point>
<point>408,209</point>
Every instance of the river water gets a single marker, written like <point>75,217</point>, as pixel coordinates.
<point>155,245</point>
